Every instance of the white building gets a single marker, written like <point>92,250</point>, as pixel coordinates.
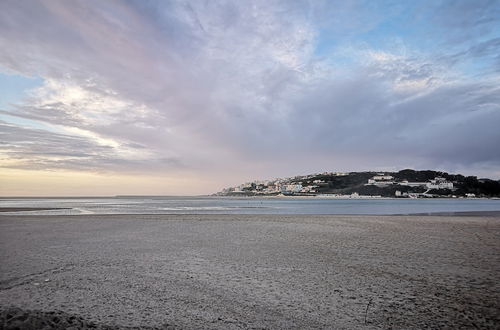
<point>383,177</point>
<point>341,173</point>
<point>308,189</point>
<point>439,183</point>
<point>381,180</point>
<point>291,188</point>
<point>412,184</point>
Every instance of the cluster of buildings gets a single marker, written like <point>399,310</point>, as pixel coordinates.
<point>382,180</point>
<point>287,186</point>
<point>315,184</point>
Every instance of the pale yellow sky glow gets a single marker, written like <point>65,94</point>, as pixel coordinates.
<point>16,182</point>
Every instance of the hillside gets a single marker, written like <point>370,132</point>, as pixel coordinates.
<point>405,183</point>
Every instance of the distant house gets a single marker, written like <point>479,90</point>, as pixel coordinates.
<point>381,180</point>
<point>291,188</point>
<point>412,184</point>
<point>439,183</point>
<point>308,189</point>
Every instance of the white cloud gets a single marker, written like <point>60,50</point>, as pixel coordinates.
<point>220,86</point>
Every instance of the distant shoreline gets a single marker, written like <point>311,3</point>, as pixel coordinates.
<point>239,197</point>
<point>420,214</point>
<point>359,197</point>
<point>455,214</point>
<point>327,205</point>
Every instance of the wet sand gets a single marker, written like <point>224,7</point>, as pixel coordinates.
<point>23,209</point>
<point>250,271</point>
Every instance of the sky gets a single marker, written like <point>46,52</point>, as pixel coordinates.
<point>188,97</point>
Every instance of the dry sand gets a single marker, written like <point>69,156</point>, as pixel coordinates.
<point>250,272</point>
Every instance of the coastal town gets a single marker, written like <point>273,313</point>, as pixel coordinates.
<point>402,184</point>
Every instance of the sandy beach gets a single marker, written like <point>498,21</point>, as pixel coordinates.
<point>250,272</point>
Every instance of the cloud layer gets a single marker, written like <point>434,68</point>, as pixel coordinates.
<point>260,88</point>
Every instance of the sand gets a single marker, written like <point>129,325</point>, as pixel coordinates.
<point>250,272</point>
<point>23,209</point>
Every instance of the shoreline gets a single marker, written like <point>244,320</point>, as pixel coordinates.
<point>455,214</point>
<point>361,197</point>
<point>326,196</point>
<point>13,212</point>
<point>27,209</point>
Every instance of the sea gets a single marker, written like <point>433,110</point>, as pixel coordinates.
<point>245,205</point>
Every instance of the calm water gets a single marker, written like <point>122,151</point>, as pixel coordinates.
<point>208,205</point>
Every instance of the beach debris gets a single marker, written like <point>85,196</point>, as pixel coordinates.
<point>368,306</point>
<point>47,280</point>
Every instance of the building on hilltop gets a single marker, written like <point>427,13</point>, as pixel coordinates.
<point>381,180</point>
<point>412,184</point>
<point>439,183</point>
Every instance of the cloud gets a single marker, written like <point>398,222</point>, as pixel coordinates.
<point>221,86</point>
<point>465,20</point>
<point>30,148</point>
